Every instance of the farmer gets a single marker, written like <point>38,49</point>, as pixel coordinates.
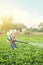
<point>11,39</point>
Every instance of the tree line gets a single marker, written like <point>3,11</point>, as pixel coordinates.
<point>9,23</point>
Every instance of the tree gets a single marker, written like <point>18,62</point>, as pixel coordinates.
<point>27,31</point>
<point>19,26</point>
<point>7,23</point>
<point>40,26</point>
<point>33,29</point>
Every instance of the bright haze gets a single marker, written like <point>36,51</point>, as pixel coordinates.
<point>28,12</point>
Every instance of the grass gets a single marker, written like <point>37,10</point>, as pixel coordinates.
<point>25,54</point>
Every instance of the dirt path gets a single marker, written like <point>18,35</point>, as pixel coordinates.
<point>37,44</point>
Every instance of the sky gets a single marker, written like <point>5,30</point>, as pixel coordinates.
<point>28,12</point>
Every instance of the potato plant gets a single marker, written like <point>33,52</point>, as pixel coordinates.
<point>25,54</point>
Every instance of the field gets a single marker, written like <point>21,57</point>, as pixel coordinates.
<point>25,54</point>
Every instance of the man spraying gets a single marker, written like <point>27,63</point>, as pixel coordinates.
<point>11,38</point>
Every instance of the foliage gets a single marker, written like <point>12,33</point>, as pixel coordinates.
<point>19,26</point>
<point>27,31</point>
<point>25,54</point>
<point>40,26</point>
<point>34,29</point>
<point>7,23</point>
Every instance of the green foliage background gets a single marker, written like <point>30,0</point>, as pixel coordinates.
<point>25,54</point>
